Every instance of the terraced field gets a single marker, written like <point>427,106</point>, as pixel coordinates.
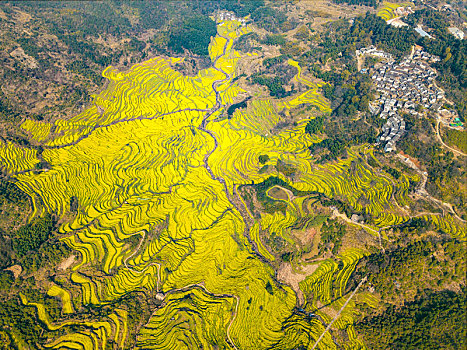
<point>15,159</point>
<point>387,10</point>
<point>152,161</point>
<point>324,290</point>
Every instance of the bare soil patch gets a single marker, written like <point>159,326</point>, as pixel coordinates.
<point>16,269</point>
<point>305,236</point>
<point>323,11</point>
<point>65,264</point>
<point>415,161</point>
<point>278,193</point>
<point>292,278</point>
<point>22,17</point>
<point>22,57</point>
<point>3,15</point>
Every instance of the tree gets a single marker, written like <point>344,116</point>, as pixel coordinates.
<point>263,158</point>
<point>31,236</point>
<point>302,33</point>
<point>6,280</point>
<point>193,34</point>
<point>315,125</point>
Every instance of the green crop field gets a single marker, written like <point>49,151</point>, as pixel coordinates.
<point>155,172</point>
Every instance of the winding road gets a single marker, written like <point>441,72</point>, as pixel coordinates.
<point>438,136</point>
<point>421,190</point>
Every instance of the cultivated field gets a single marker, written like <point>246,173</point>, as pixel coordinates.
<point>387,10</point>
<point>154,164</point>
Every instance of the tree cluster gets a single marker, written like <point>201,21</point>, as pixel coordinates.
<point>445,173</point>
<point>332,233</point>
<point>7,111</point>
<point>407,267</point>
<point>31,236</point>
<point>21,321</point>
<point>194,34</point>
<point>9,192</point>
<point>433,321</point>
<point>455,137</point>
<point>349,93</point>
<point>373,29</point>
<point>235,106</point>
<point>315,125</point>
<point>274,40</point>
<point>274,84</point>
<point>335,147</point>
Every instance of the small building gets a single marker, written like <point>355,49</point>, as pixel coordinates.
<point>356,218</point>
<point>459,34</point>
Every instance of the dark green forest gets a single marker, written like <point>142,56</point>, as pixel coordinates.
<point>194,34</point>
<point>32,245</point>
<point>417,265</point>
<point>435,320</point>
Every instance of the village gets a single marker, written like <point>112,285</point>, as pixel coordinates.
<point>409,86</point>
<point>228,16</point>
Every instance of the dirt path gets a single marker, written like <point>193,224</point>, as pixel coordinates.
<point>360,61</point>
<point>335,213</point>
<point>438,135</point>
<point>339,312</point>
<point>421,190</point>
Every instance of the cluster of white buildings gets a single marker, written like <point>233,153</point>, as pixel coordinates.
<point>403,11</point>
<point>422,33</point>
<point>229,16</point>
<point>407,84</point>
<point>403,85</point>
<point>459,34</point>
<point>373,51</point>
<point>392,132</point>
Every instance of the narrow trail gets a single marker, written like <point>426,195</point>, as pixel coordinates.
<point>438,136</point>
<point>423,193</point>
<point>339,312</point>
<point>344,217</point>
